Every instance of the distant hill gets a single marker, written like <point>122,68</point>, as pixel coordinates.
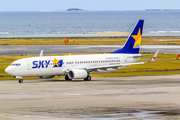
<point>75,9</point>
<point>162,10</point>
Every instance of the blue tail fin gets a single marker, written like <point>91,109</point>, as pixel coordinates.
<point>133,43</point>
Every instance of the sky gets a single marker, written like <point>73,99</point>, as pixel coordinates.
<point>46,5</point>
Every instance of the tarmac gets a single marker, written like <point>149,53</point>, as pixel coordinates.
<point>111,98</point>
<point>61,49</point>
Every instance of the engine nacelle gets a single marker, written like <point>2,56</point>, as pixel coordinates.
<point>46,77</point>
<point>77,73</point>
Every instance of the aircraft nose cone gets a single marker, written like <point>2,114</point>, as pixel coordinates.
<point>8,70</point>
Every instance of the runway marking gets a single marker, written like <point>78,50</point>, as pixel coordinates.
<point>139,114</point>
<point>75,94</point>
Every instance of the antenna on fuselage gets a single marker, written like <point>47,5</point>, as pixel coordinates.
<point>41,53</point>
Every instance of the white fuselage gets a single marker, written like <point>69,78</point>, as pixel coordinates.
<point>59,65</point>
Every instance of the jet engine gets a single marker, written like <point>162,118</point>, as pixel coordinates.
<point>77,73</point>
<point>46,77</point>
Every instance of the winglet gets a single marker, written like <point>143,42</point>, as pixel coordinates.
<point>154,57</point>
<point>41,53</point>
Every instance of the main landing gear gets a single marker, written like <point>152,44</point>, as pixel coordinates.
<point>88,78</point>
<point>21,81</point>
<point>67,78</point>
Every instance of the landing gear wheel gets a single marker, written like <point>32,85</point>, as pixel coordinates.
<point>67,78</point>
<point>88,78</point>
<point>21,81</point>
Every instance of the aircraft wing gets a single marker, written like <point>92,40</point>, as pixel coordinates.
<point>137,56</point>
<point>117,66</point>
<point>111,66</point>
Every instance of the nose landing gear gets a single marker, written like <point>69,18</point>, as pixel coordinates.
<point>20,81</point>
<point>20,78</point>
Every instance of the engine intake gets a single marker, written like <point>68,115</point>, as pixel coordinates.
<point>77,73</point>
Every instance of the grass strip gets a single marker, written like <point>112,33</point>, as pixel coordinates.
<point>171,40</point>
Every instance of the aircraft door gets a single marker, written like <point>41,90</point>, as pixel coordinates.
<point>28,65</point>
<point>75,63</point>
<point>125,59</point>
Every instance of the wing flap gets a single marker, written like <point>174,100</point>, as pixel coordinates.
<point>111,66</point>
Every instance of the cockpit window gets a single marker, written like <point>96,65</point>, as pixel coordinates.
<point>15,64</point>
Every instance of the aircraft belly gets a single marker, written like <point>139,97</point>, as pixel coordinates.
<point>44,71</point>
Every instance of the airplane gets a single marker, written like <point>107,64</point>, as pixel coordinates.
<point>81,66</point>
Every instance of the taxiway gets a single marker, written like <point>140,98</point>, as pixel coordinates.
<point>61,49</point>
<point>101,98</point>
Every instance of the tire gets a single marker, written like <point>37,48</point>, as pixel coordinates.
<point>20,81</point>
<point>88,78</point>
<point>67,78</point>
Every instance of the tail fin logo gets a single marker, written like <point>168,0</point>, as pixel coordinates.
<point>137,39</point>
<point>133,42</point>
